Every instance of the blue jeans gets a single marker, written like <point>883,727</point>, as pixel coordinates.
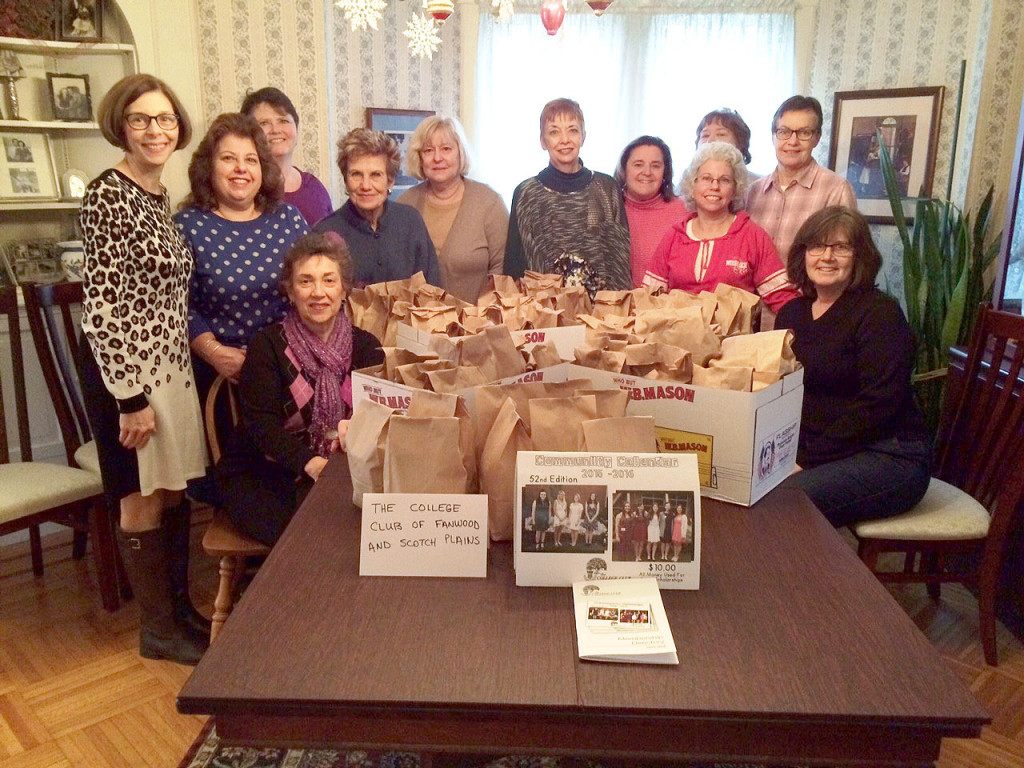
<point>886,479</point>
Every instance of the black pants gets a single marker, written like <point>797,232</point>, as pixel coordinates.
<point>259,496</point>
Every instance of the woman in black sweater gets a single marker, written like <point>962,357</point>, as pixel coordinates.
<point>295,386</point>
<point>864,450</point>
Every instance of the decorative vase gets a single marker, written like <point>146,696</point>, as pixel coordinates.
<point>552,13</point>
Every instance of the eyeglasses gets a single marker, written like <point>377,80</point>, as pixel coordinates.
<point>804,134</point>
<point>140,121</point>
<point>839,250</point>
<point>723,181</point>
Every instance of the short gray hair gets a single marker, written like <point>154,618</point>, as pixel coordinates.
<point>716,150</point>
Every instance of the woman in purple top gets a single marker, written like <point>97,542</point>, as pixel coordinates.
<point>276,114</point>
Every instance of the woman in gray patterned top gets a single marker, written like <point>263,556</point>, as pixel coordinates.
<point>567,219</point>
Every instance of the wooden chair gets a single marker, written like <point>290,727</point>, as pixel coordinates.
<point>38,492</point>
<point>959,531</point>
<point>222,539</point>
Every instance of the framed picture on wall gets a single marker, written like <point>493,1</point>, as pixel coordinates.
<point>907,119</point>
<point>69,97</point>
<point>80,20</point>
<point>27,171</point>
<point>399,124</point>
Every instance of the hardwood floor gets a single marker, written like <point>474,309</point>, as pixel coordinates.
<point>75,694</point>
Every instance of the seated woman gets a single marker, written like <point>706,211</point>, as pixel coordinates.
<point>387,240</point>
<point>864,451</point>
<point>718,243</point>
<point>467,220</point>
<point>294,388</point>
<point>276,115</point>
<point>644,174</point>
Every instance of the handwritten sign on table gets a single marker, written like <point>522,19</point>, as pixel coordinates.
<point>412,534</point>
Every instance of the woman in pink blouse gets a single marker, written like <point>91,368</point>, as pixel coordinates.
<point>717,242</point>
<point>645,175</point>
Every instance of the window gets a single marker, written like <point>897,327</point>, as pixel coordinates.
<point>633,74</point>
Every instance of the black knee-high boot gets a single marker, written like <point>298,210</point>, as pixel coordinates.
<point>177,529</point>
<point>160,636</point>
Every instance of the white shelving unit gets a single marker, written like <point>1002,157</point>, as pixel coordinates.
<point>77,145</point>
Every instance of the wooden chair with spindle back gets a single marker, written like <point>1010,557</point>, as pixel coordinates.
<point>959,530</point>
<point>222,539</point>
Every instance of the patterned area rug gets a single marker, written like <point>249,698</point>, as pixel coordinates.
<point>208,752</point>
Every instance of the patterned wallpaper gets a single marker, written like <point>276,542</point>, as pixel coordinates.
<point>245,44</point>
<point>867,44</point>
<point>858,44</point>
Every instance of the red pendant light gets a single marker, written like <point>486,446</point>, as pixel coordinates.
<point>552,13</point>
<point>599,6</point>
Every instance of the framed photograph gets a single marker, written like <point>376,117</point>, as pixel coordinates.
<point>69,97</point>
<point>399,124</point>
<point>908,121</point>
<point>80,20</point>
<point>27,171</point>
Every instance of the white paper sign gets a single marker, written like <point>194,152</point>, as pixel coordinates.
<point>596,516</point>
<point>414,534</point>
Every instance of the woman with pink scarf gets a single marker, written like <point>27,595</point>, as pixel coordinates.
<point>294,388</point>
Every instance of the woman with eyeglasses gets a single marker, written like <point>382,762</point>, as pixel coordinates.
<point>864,451</point>
<point>136,373</point>
<point>718,243</point>
<point>467,220</point>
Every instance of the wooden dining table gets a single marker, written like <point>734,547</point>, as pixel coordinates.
<point>790,652</point>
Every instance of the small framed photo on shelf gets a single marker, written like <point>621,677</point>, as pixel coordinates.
<point>69,97</point>
<point>399,125</point>
<point>27,171</point>
<point>80,21</point>
<point>73,183</point>
<point>907,119</point>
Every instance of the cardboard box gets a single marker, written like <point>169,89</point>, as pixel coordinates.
<point>566,339</point>
<point>397,396</point>
<point>745,441</point>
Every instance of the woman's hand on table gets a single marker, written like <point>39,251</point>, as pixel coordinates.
<point>136,428</point>
<point>315,466</point>
<point>343,433</point>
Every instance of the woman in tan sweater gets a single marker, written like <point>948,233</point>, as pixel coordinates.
<point>467,220</point>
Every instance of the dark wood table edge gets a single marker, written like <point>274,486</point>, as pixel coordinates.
<point>771,741</point>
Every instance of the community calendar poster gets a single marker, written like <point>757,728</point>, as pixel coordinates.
<point>598,516</point>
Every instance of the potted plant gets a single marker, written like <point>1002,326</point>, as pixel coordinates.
<point>946,254</point>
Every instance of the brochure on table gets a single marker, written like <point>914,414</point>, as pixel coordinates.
<point>614,508</point>
<point>622,620</point>
<point>423,534</point>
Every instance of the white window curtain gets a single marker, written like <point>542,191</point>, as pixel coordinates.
<point>633,73</point>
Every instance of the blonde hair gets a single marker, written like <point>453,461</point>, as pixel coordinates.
<point>423,133</point>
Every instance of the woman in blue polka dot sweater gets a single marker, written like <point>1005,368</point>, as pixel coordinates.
<point>239,231</point>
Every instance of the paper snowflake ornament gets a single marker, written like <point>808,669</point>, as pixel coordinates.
<point>362,13</point>
<point>504,9</point>
<point>423,38</point>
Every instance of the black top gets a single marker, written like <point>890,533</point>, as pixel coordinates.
<point>267,403</point>
<point>858,358</point>
<point>398,249</point>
